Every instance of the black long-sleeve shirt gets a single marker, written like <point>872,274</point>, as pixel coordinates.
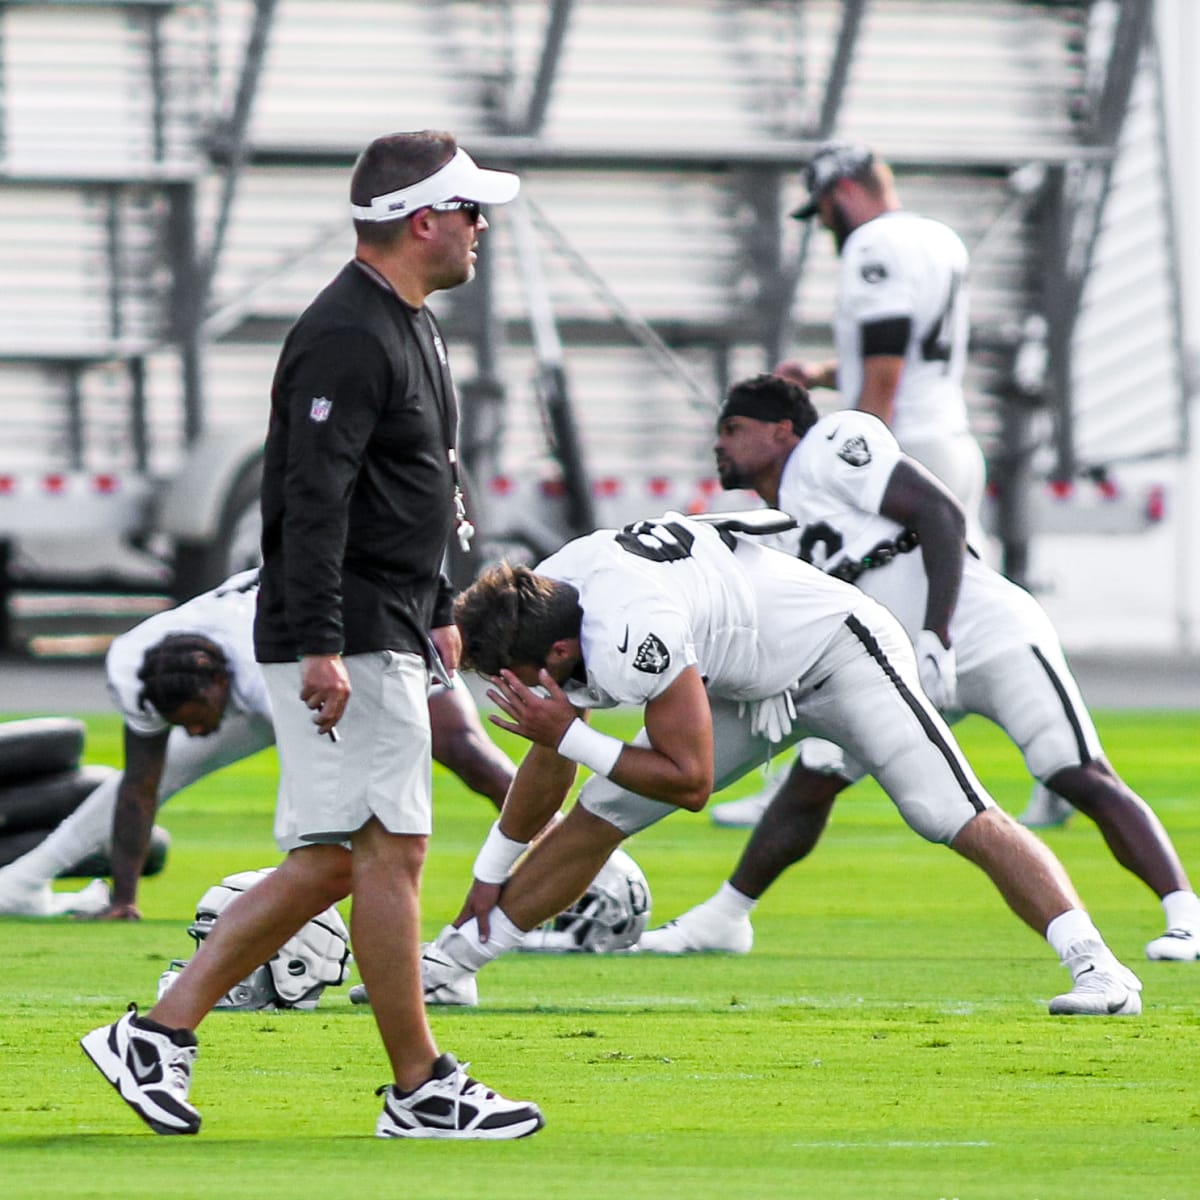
<point>357,494</point>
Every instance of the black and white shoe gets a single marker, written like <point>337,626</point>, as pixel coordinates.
<point>150,1067</point>
<point>453,1105</point>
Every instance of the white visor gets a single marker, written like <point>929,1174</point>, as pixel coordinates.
<point>459,179</point>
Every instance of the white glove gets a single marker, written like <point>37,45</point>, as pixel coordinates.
<point>938,670</point>
<point>772,718</point>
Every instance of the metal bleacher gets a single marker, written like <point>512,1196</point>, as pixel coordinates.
<point>173,191</point>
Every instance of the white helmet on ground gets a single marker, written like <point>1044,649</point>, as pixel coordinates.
<point>317,956</point>
<point>610,916</point>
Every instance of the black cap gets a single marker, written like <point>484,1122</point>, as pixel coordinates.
<point>830,162</point>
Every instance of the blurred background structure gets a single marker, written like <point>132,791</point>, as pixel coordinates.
<point>173,191</point>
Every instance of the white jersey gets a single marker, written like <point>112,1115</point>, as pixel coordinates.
<point>903,265</point>
<point>663,595</point>
<point>833,485</point>
<point>225,616</point>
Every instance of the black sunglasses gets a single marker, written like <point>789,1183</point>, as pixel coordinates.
<point>471,207</point>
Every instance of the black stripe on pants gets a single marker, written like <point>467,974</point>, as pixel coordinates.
<point>1085,755</point>
<point>873,648</point>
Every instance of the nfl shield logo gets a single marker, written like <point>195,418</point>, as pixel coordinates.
<point>320,409</point>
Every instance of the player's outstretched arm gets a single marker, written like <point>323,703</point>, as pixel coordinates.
<point>133,819</point>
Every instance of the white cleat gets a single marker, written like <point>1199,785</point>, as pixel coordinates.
<point>700,930</point>
<point>445,980</point>
<point>746,812</point>
<point>1046,809</point>
<point>1103,988</point>
<point>1176,945</point>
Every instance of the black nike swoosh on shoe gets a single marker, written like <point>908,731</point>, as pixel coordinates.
<point>143,1071</point>
<point>1085,971</point>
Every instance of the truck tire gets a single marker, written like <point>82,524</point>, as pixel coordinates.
<point>39,746</point>
<point>200,566</point>
<point>44,801</point>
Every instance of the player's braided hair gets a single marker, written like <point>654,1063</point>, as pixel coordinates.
<point>176,670</point>
<point>511,616</point>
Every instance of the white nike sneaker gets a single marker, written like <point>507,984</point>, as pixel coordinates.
<point>1103,987</point>
<point>461,992</point>
<point>1046,809</point>
<point>700,930</point>
<point>1176,945</point>
<point>453,1105</point>
<point>444,984</point>
<point>151,1070</point>
<point>444,978</point>
<point>746,812</point>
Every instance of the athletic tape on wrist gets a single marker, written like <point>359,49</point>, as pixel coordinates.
<point>496,856</point>
<point>595,750</point>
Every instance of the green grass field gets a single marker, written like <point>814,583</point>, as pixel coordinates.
<point>887,1038</point>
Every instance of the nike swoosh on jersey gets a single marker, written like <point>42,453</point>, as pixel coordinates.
<point>624,643</point>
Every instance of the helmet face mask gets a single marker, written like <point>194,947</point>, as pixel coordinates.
<point>608,918</point>
<point>317,956</point>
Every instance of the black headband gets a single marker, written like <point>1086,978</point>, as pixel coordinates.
<point>778,404</point>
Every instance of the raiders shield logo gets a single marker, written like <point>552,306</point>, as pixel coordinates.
<point>652,657</point>
<point>854,451</point>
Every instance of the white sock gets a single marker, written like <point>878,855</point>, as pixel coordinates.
<point>1182,910</point>
<point>1067,930</point>
<point>503,935</point>
<point>729,902</point>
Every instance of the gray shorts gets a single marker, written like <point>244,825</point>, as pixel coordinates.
<point>381,766</point>
<point>863,694</point>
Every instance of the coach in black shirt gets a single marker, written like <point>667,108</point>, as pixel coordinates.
<point>359,496</point>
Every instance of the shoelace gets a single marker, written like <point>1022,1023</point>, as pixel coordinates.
<point>177,1067</point>
<point>469,1084</point>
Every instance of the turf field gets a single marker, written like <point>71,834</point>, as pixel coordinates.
<point>887,1038</point>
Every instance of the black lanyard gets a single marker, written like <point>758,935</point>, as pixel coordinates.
<point>426,332</point>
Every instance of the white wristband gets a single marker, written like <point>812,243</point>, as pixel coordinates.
<point>496,856</point>
<point>595,750</point>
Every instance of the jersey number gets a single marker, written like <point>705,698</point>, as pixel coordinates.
<point>820,534</point>
<point>938,343</point>
<point>657,542</point>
